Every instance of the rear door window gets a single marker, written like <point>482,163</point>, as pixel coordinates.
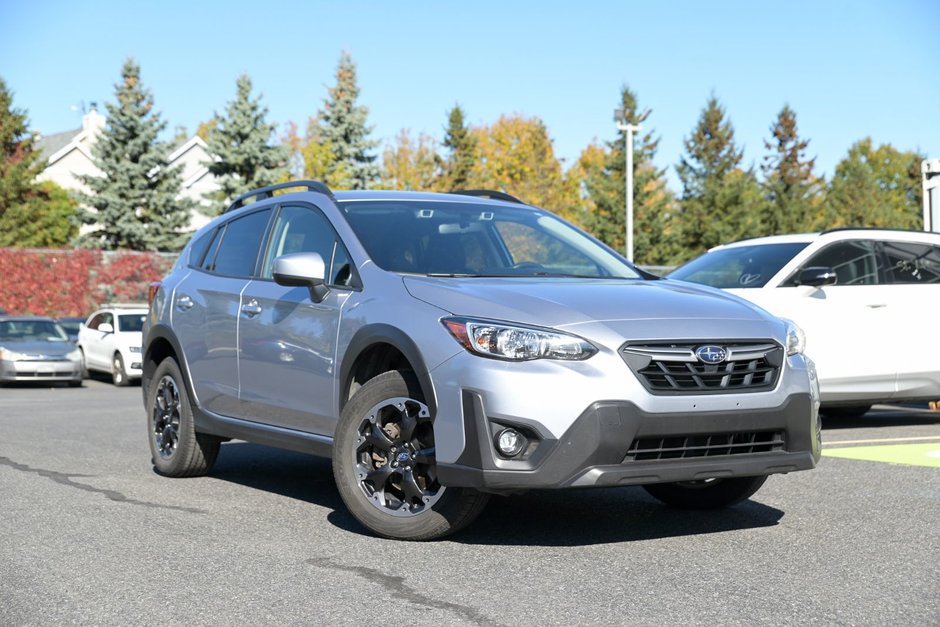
<point>238,251</point>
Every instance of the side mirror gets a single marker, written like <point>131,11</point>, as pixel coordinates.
<point>817,276</point>
<point>302,270</point>
<point>105,327</point>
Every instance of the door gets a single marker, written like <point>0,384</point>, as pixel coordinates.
<point>206,307</point>
<point>912,294</point>
<point>287,342</point>
<point>97,344</point>
<point>847,328</point>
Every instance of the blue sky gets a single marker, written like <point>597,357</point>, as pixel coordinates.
<point>848,69</point>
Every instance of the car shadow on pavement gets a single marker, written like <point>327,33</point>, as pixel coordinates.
<point>885,416</point>
<point>538,518</point>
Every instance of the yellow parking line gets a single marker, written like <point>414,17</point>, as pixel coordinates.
<point>923,454</point>
<point>926,438</point>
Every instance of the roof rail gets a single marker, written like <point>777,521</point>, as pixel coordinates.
<point>866,228</point>
<point>268,192</point>
<point>487,193</point>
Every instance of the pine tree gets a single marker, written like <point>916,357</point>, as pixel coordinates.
<point>790,187</point>
<point>135,199</point>
<point>721,202</point>
<point>19,160</point>
<point>653,203</point>
<point>460,142</point>
<point>246,158</point>
<point>342,124</point>
<point>875,187</point>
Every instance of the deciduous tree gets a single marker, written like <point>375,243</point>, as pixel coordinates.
<point>412,164</point>
<point>875,187</point>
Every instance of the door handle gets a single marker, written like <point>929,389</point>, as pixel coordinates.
<point>184,303</point>
<point>877,305</point>
<point>251,308</point>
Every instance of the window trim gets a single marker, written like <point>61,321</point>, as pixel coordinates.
<point>223,227</point>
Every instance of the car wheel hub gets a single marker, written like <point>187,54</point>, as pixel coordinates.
<point>165,417</point>
<point>394,457</point>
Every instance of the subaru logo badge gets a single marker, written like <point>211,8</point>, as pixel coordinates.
<point>710,354</point>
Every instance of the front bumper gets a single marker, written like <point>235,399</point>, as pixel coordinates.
<point>593,451</point>
<point>40,371</point>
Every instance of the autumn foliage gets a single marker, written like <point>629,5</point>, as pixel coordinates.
<point>74,282</point>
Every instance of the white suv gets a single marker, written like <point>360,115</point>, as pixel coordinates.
<point>110,341</point>
<point>866,298</point>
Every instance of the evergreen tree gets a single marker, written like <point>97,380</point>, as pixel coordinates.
<point>720,201</point>
<point>19,161</point>
<point>791,189</point>
<point>875,187</point>
<point>135,199</point>
<point>460,142</point>
<point>653,203</point>
<point>45,219</point>
<point>240,140</point>
<point>342,124</point>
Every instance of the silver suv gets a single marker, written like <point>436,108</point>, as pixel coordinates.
<point>443,347</point>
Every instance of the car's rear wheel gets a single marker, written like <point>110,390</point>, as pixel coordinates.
<point>384,464</point>
<point>118,373</point>
<point>176,449</point>
<point>706,494</point>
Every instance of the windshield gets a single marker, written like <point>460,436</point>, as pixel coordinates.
<point>131,322</point>
<point>739,266</point>
<point>467,239</point>
<point>31,331</point>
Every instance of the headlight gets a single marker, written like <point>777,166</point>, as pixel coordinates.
<point>134,349</point>
<point>7,355</point>
<point>516,343</point>
<point>75,355</point>
<point>796,339</point>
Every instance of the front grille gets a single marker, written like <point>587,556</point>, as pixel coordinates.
<point>670,368</point>
<point>713,445</point>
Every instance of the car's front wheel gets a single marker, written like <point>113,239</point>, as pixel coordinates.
<point>175,448</point>
<point>706,494</point>
<point>384,464</point>
<point>118,372</point>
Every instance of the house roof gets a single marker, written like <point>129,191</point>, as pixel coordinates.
<point>51,144</point>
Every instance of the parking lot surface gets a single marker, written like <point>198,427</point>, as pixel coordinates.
<point>90,535</point>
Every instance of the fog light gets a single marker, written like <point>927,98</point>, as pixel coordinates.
<point>510,442</point>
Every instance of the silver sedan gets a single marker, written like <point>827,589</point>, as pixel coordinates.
<point>37,349</point>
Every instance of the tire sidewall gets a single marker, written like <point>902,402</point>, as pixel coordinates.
<point>174,465</point>
<point>437,520</point>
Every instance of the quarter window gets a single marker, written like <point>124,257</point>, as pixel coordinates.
<point>912,263</point>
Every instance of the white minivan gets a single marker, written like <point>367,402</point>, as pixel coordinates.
<point>867,299</point>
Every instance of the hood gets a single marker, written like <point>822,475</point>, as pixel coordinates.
<point>50,349</point>
<point>556,302</point>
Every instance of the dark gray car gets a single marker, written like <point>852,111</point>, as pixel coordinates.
<point>442,347</point>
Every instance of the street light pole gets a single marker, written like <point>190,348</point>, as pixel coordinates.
<point>629,129</point>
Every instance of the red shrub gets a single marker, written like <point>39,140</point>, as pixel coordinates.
<point>74,282</point>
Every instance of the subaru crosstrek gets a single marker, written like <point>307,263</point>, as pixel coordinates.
<point>444,347</point>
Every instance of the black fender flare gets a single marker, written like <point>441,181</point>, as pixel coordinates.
<point>367,337</point>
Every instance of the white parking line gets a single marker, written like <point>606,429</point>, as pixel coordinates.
<point>925,438</point>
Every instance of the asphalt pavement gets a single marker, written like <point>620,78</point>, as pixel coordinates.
<point>89,534</point>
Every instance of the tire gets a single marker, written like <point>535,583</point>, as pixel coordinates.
<point>118,373</point>
<point>854,411</point>
<point>708,494</point>
<point>84,364</point>
<point>176,450</point>
<point>76,384</point>
<point>384,464</point>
